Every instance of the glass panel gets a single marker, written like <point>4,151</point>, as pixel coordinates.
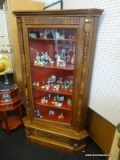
<point>52,58</point>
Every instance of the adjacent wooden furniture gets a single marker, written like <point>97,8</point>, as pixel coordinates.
<point>101,135</point>
<point>10,101</point>
<point>57,50</point>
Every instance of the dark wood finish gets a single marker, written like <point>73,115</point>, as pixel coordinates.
<point>13,104</point>
<point>67,133</point>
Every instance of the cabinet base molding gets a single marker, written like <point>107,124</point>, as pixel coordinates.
<point>54,138</point>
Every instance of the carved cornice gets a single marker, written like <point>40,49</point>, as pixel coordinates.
<point>51,20</point>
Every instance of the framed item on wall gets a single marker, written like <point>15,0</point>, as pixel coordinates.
<point>55,6</point>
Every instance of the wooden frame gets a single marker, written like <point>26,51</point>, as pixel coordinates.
<point>55,6</point>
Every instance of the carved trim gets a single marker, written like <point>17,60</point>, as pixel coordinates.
<point>27,130</point>
<point>72,20</point>
<point>78,122</point>
<point>87,34</point>
<point>19,20</point>
<point>51,20</point>
<point>87,29</point>
<point>88,20</point>
<point>51,136</point>
<point>21,42</point>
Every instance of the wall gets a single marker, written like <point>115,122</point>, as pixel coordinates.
<point>105,85</point>
<point>104,101</point>
<point>47,2</point>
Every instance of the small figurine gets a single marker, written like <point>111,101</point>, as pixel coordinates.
<point>34,83</point>
<point>41,34</point>
<point>61,116</point>
<point>37,83</point>
<point>35,63</point>
<point>57,57</point>
<point>46,57</point>
<point>57,35</point>
<point>69,102</point>
<point>37,113</point>
<point>54,98</point>
<point>73,59</point>
<point>42,100</point>
<point>49,95</point>
<point>46,32</point>
<point>60,98</point>
<point>37,56</point>
<point>34,113</point>
<point>51,112</point>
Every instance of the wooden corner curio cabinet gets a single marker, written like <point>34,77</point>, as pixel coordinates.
<point>57,49</point>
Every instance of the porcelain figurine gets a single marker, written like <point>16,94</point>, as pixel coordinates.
<point>73,59</point>
<point>46,57</point>
<point>37,56</point>
<point>61,116</point>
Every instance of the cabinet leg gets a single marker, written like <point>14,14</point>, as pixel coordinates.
<point>20,114</point>
<point>6,122</point>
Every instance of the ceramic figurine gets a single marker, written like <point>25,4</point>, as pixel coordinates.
<point>35,63</point>
<point>38,114</point>
<point>51,112</point>
<point>73,59</point>
<point>49,95</point>
<point>61,116</point>
<point>57,57</point>
<point>53,78</point>
<point>69,102</point>
<point>37,83</point>
<point>46,32</point>
<point>46,57</point>
<point>41,34</point>
<point>34,83</point>
<point>57,35</point>
<point>37,56</point>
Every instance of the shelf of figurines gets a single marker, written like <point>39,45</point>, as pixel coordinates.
<point>53,39</point>
<point>60,61</point>
<point>53,116</point>
<point>55,65</point>
<point>53,88</point>
<point>53,34</point>
<point>56,101</point>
